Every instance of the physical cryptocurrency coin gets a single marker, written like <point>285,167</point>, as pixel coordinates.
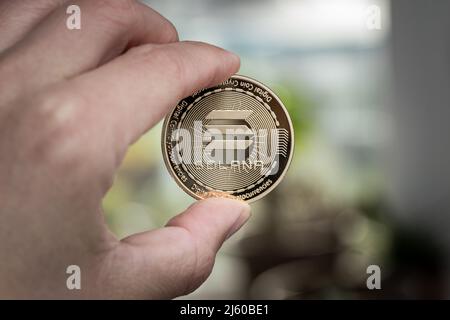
<point>235,139</point>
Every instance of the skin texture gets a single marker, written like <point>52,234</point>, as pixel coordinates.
<point>71,102</point>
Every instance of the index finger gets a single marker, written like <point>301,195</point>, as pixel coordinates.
<point>126,97</point>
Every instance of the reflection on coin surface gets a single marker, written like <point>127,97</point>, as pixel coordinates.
<point>234,139</point>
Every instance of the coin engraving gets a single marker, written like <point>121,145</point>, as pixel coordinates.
<point>234,139</point>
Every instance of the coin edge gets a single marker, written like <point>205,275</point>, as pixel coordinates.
<point>268,190</point>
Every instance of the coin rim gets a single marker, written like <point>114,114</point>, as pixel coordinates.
<point>261,195</point>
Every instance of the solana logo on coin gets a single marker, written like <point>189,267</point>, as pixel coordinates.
<point>238,136</point>
<point>233,139</point>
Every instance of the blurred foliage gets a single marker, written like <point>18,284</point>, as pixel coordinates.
<point>300,108</point>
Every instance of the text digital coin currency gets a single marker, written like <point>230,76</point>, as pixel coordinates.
<point>235,139</point>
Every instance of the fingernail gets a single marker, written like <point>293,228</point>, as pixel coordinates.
<point>244,215</point>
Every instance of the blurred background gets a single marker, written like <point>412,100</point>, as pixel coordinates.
<point>367,86</point>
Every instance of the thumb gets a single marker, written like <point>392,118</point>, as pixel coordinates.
<point>178,258</point>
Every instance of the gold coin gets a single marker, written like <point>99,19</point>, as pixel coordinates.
<point>234,140</point>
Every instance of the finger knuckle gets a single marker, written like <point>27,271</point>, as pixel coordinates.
<point>118,13</point>
<point>202,272</point>
<point>173,62</point>
<point>152,55</point>
<point>169,33</point>
<point>175,65</point>
<point>200,264</point>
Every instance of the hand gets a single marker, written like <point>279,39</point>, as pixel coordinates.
<point>71,102</point>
